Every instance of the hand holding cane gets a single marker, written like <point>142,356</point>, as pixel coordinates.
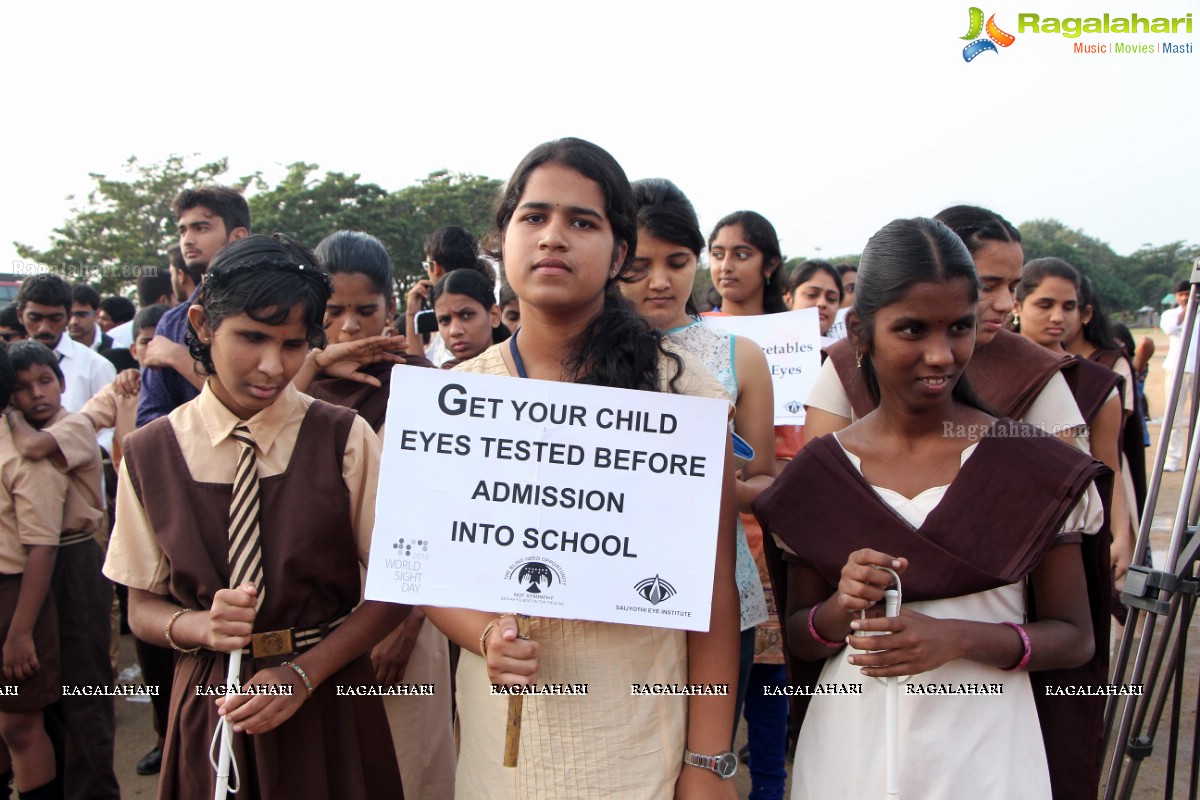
<point>892,599</point>
<point>516,703</point>
<point>245,566</point>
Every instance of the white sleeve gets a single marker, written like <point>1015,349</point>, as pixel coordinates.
<point>827,393</point>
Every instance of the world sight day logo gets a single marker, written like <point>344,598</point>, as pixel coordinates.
<point>982,44</point>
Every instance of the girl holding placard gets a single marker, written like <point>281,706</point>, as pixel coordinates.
<point>567,226</point>
<point>669,247</point>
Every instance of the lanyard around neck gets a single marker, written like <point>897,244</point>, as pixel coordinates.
<point>516,355</point>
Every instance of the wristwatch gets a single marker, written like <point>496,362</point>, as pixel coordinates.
<point>724,764</point>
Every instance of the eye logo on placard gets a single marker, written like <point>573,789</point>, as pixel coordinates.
<point>794,406</point>
<point>655,589</point>
<point>995,36</point>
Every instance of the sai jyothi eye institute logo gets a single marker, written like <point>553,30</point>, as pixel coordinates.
<point>995,36</point>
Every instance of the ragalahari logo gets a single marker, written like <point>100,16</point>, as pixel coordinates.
<point>995,36</point>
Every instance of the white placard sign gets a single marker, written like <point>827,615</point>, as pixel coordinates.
<point>551,499</point>
<point>792,343</point>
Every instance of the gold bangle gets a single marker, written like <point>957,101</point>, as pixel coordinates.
<point>170,641</point>
<point>303,675</point>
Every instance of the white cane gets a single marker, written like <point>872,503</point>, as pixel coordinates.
<point>891,719</point>
<point>892,715</point>
<point>223,736</point>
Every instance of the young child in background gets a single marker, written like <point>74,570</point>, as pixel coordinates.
<point>82,727</point>
<point>31,506</point>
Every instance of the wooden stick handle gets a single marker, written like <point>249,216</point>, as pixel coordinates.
<point>516,702</point>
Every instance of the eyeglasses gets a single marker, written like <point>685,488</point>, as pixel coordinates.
<point>427,266</point>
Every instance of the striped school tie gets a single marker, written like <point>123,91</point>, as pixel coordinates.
<point>245,549</point>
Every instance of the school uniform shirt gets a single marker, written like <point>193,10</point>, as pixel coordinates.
<point>83,512</point>
<point>31,504</point>
<point>85,372</point>
<point>109,409</point>
<point>203,430</point>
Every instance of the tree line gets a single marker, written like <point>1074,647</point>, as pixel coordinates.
<point>126,222</point>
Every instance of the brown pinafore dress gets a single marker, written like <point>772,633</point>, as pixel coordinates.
<point>334,746</point>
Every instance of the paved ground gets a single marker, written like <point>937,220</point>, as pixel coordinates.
<point>135,734</point>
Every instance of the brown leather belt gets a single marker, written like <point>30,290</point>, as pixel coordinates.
<point>288,641</point>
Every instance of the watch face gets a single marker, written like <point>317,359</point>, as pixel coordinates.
<point>726,765</point>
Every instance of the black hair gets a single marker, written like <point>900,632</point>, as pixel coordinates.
<point>11,318</point>
<point>452,247</point>
<point>1124,337</point>
<point>262,277</point>
<point>357,253</point>
<point>901,254</point>
<point>45,289</point>
<point>976,226</point>
<point>507,295</point>
<point>1098,330</point>
<point>8,376</point>
<point>761,233</point>
<point>465,282</point>
<point>619,347</point>
<point>85,295</point>
<point>1033,273</point>
<point>226,203</point>
<point>806,269</point>
<point>665,213</point>
<point>1183,286</point>
<point>148,317</point>
<point>155,282</point>
<point>30,352</point>
<point>119,309</point>
<point>843,268</point>
<point>474,285</point>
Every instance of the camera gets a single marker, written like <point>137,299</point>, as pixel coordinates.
<point>426,321</point>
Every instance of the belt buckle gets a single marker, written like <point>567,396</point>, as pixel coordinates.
<point>272,643</point>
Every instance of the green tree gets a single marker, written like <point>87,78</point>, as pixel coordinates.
<point>442,198</point>
<point>1110,272</point>
<point>1157,270</point>
<point>123,223</point>
<point>308,209</point>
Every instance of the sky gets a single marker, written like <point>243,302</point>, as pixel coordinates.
<point>830,119</point>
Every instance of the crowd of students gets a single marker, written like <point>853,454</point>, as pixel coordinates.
<point>976,462</point>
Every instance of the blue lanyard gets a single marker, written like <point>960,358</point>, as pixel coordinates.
<point>516,355</point>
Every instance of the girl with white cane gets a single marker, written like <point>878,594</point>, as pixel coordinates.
<point>257,487</point>
<point>981,518</point>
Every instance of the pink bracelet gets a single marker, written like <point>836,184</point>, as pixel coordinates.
<point>812,628</point>
<point>1024,662</point>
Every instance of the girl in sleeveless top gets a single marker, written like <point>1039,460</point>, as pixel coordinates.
<point>567,227</point>
<point>259,310</point>
<point>669,246</point>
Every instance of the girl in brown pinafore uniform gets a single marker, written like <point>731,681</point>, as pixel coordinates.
<point>259,311</point>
